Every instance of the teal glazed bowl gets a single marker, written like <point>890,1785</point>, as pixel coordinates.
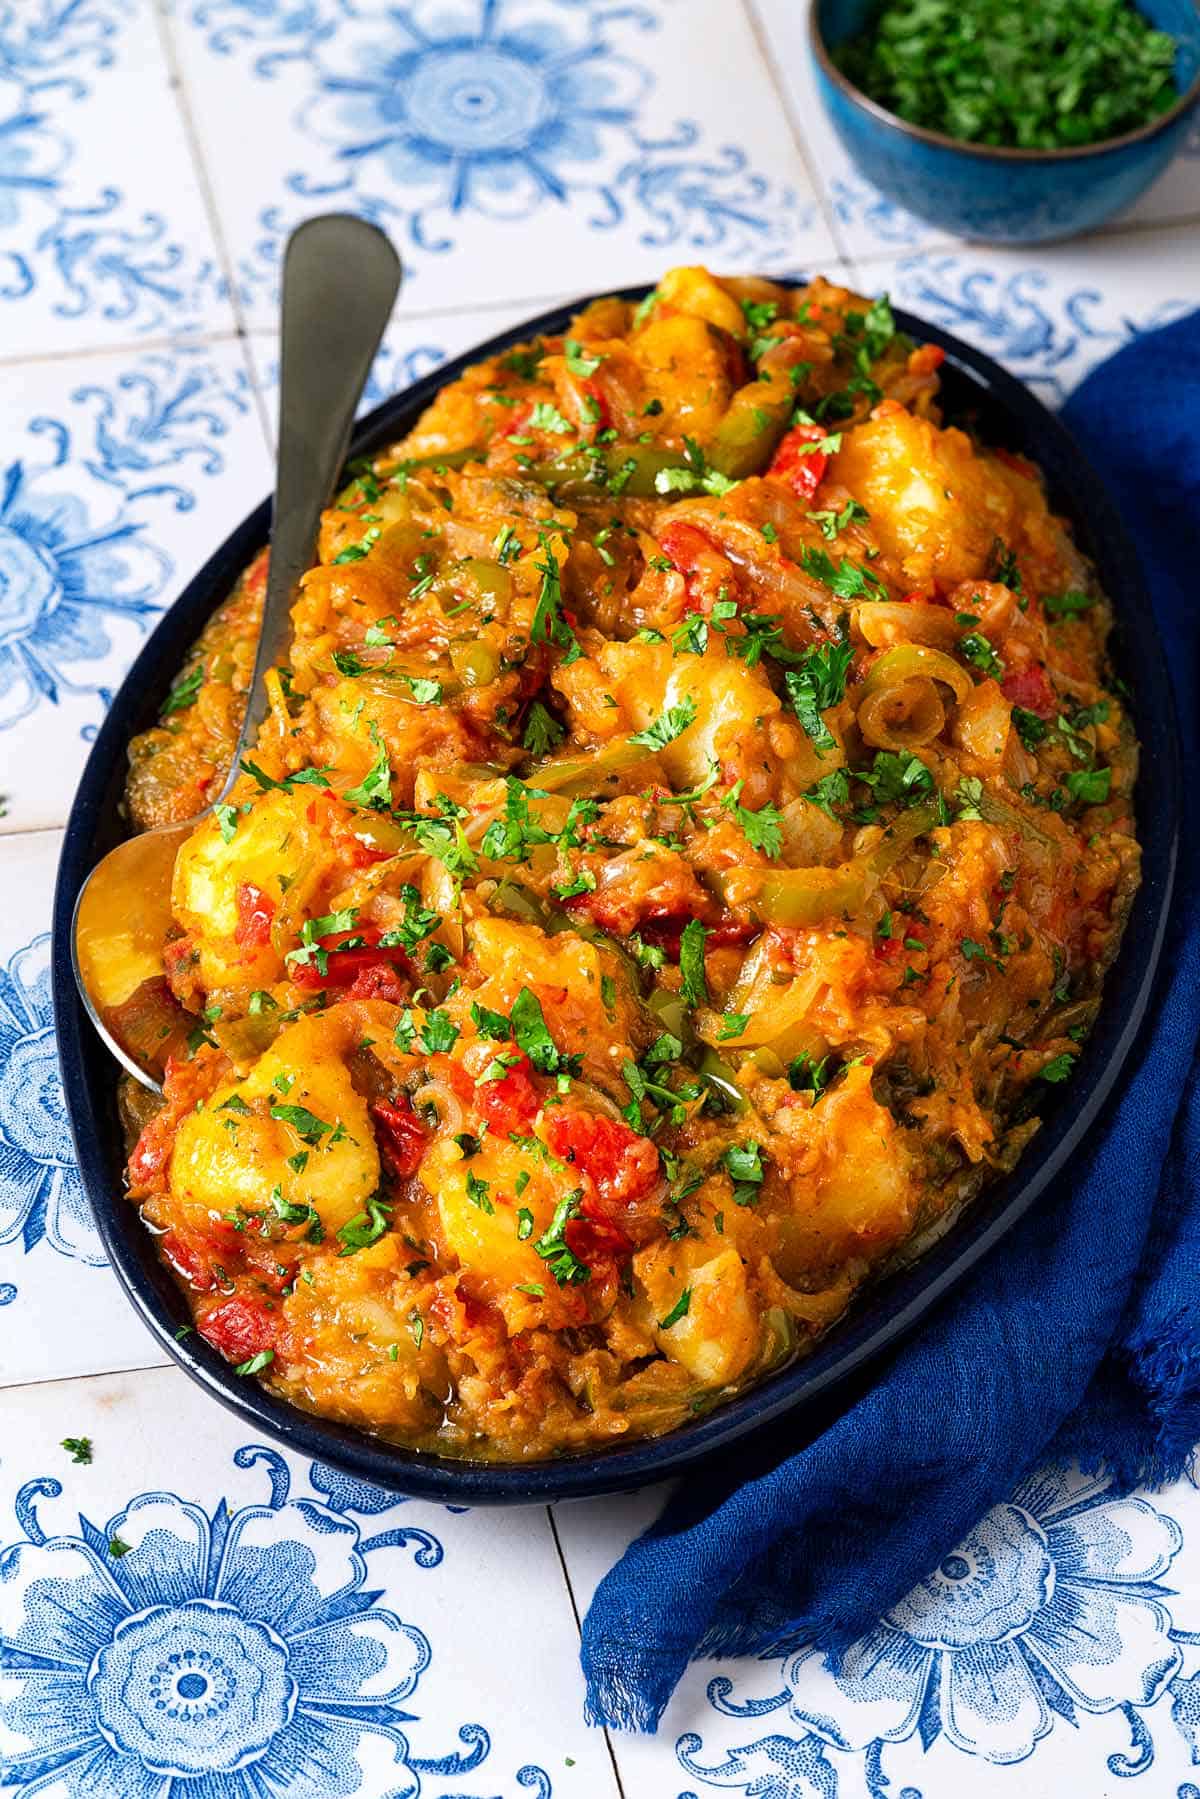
<point>997,195</point>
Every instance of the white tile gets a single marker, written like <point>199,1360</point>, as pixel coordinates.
<point>412,348</point>
<point>121,474</point>
<point>863,220</point>
<point>992,1619</point>
<point>511,147</point>
<point>61,1310</point>
<point>103,231</point>
<point>351,1645</point>
<point>1048,314</point>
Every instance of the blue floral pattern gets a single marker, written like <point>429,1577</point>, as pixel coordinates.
<point>427,113</point>
<point>75,555</point>
<point>41,1194</point>
<point>177,1653</point>
<point>1047,335</point>
<point>1052,1607</point>
<point>80,244</point>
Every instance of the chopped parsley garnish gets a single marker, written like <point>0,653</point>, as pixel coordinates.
<point>305,777</point>
<point>184,692</point>
<point>374,791</point>
<point>116,1545</point>
<point>817,683</point>
<point>366,1228</point>
<point>1058,1069</point>
<point>848,580</point>
<point>79,1449</point>
<point>897,775</point>
<point>979,651</point>
<point>1050,76</point>
<point>477,1193</point>
<point>578,360</point>
<point>762,827</point>
<point>553,1248</point>
<point>1091,786</point>
<point>308,1127</point>
<point>743,1163</point>
<point>1031,729</point>
<point>691,963</point>
<point>668,726</point>
<point>831,524</point>
<point>545,417</point>
<point>311,932</point>
<point>490,1024</point>
<point>549,625</point>
<point>805,1075</point>
<point>542,730</point>
<point>678,1310</point>
<point>1060,604</point>
<point>830,791</point>
<point>438,1034</point>
<point>531,1034</point>
<point>968,797</point>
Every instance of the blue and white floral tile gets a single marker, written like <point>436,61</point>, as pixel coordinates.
<point>193,1613</point>
<point>412,349</point>
<point>1048,315</point>
<point>1054,1654</point>
<point>865,221</point>
<point>512,148</point>
<point>61,1310</point>
<point>119,475</point>
<point>104,238</point>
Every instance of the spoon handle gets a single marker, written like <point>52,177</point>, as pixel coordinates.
<point>340,281</point>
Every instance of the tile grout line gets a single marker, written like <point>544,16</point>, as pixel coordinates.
<point>67,1380</point>
<point>181,344</point>
<point>30,831</point>
<point>562,1562</point>
<point>762,41</point>
<point>957,246</point>
<point>182,99</point>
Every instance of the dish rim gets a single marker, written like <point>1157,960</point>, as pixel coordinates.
<point>883,1312</point>
<point>990,152</point>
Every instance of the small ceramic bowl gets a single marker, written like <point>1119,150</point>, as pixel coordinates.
<point>1001,195</point>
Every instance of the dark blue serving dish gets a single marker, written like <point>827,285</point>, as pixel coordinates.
<point>1002,195</point>
<point>976,391</point>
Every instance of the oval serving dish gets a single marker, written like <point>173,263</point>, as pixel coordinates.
<point>974,390</point>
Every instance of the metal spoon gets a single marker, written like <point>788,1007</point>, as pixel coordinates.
<point>340,281</point>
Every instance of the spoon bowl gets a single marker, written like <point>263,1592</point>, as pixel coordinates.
<point>340,281</point>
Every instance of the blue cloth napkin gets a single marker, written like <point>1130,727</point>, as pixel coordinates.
<point>1078,1336</point>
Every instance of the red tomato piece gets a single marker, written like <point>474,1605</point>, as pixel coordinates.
<point>511,1103</point>
<point>1029,688</point>
<point>684,546</point>
<point>255,910</point>
<point>601,416</point>
<point>621,1164</point>
<point>667,929</point>
<point>401,1137</point>
<point>596,1240</point>
<point>240,1327</point>
<point>343,965</point>
<point>797,463</point>
<point>517,423</point>
<point>380,981</point>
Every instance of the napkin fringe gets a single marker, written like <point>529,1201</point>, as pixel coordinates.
<point>1153,1385</point>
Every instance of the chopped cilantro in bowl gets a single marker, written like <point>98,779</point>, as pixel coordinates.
<point>1030,75</point>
